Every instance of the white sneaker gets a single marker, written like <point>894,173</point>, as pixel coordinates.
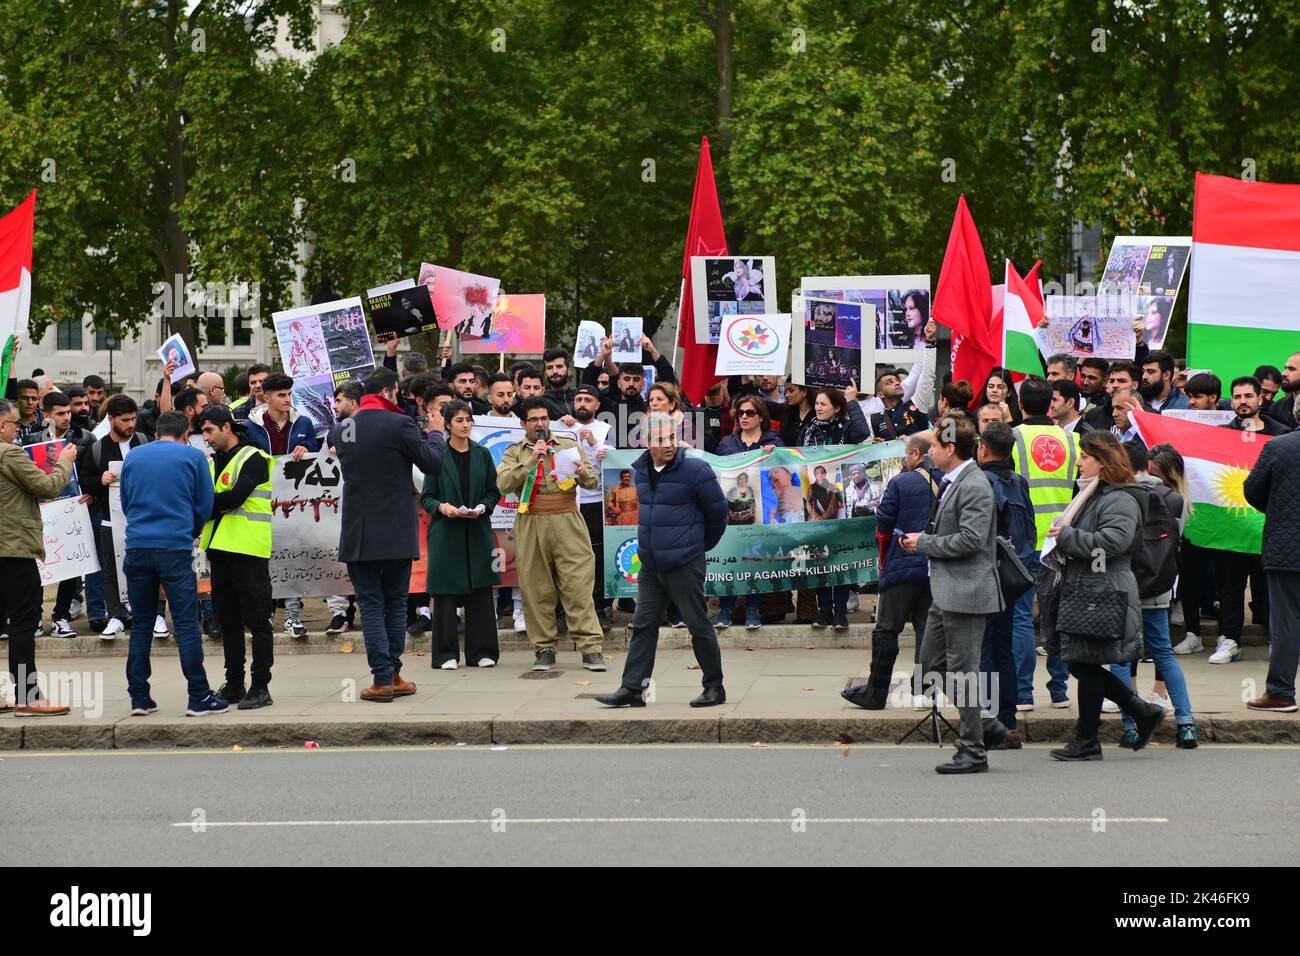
<point>62,628</point>
<point>1024,708</point>
<point>74,610</point>
<point>448,666</point>
<point>1154,698</point>
<point>40,628</point>
<point>160,626</point>
<point>1040,650</point>
<point>1108,706</point>
<point>425,613</point>
<point>112,629</point>
<point>1191,644</point>
<point>520,627</point>
<point>1226,652</point>
<point>1061,704</point>
<point>487,662</point>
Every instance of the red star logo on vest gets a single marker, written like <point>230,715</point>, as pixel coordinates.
<point>1048,452</point>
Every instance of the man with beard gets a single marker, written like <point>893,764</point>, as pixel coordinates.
<point>501,395</point>
<point>558,392</point>
<point>80,406</point>
<point>860,495</point>
<point>94,386</point>
<point>1158,386</point>
<point>591,435</point>
<point>464,383</point>
<point>1246,402</point>
<point>1285,407</point>
<point>898,418</point>
<point>553,554</point>
<point>623,399</point>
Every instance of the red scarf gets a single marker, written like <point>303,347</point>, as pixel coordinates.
<point>378,401</point>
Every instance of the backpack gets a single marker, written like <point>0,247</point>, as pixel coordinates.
<point>1015,516</point>
<point>1155,557</point>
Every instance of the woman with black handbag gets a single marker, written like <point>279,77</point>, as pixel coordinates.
<point>1091,613</point>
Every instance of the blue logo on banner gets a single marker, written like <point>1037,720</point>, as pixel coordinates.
<point>627,561</point>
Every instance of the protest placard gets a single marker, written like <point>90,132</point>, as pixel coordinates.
<point>45,455</point>
<point>1149,271</point>
<point>306,521</point>
<point>722,286</point>
<point>1089,325</point>
<point>754,345</point>
<point>462,301</point>
<point>797,518</point>
<point>587,344</point>
<point>626,331</point>
<point>322,346</point>
<point>175,350</point>
<point>518,327</point>
<point>69,541</point>
<point>1206,416</point>
<point>401,308</point>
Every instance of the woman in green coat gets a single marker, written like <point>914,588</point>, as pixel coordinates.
<point>461,545</point>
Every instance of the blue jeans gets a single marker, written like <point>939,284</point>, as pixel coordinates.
<point>381,588</point>
<point>95,597</point>
<point>145,570</point>
<point>1022,642</point>
<point>997,658</point>
<point>725,605</point>
<point>1155,634</point>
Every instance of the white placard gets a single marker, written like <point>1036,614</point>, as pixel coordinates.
<point>724,286</point>
<point>306,522</point>
<point>626,332</point>
<point>1086,326</point>
<point>587,344</point>
<point>1205,416</point>
<point>175,350</point>
<point>754,345</point>
<point>69,541</point>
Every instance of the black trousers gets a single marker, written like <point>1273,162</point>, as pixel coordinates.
<point>20,583</point>
<point>68,588</point>
<point>1194,566</point>
<point>654,588</point>
<point>1233,569</point>
<point>113,589</point>
<point>593,516</point>
<point>1095,683</point>
<point>896,606</point>
<point>241,597</point>
<point>480,627</point>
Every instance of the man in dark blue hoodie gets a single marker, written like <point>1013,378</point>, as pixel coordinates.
<point>904,578</point>
<point>682,515</point>
<point>166,497</point>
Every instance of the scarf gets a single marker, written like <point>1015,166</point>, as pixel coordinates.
<point>537,478</point>
<point>818,432</point>
<point>1087,488</point>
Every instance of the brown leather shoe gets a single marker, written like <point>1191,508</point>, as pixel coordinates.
<point>41,708</point>
<point>1013,742</point>
<point>1277,705</point>
<point>402,688</point>
<point>378,693</point>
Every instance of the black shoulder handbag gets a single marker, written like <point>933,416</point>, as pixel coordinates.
<point>1013,577</point>
<point>1097,614</point>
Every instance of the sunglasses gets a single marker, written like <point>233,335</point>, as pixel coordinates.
<point>746,412</point>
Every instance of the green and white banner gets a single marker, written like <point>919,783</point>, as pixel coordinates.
<point>796,518</point>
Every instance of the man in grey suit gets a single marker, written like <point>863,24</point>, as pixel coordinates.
<point>380,536</point>
<point>960,543</point>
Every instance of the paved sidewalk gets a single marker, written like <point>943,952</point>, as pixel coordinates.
<point>775,694</point>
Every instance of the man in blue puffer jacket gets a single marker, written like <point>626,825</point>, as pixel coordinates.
<point>681,518</point>
<point>904,578</point>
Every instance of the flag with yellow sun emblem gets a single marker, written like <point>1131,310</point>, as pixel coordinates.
<point>1217,461</point>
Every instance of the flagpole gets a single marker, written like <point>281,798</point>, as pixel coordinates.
<point>677,332</point>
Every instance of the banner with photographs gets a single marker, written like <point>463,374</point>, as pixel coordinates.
<point>496,434</point>
<point>754,345</point>
<point>462,301</point>
<point>321,346</point>
<point>69,541</point>
<point>846,325</point>
<point>518,328</point>
<point>1089,325</point>
<point>1149,270</point>
<point>796,518</point>
<point>722,286</point>
<point>402,308</point>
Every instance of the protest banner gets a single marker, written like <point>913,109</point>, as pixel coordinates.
<point>797,518</point>
<point>462,301</point>
<point>1205,416</point>
<point>69,541</point>
<point>306,520</point>
<point>175,351</point>
<point>322,346</point>
<point>729,285</point>
<point>1089,325</point>
<point>1149,271</point>
<point>587,344</point>
<point>754,345</point>
<point>518,327</point>
<point>402,308</point>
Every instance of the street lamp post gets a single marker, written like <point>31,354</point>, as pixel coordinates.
<point>110,341</point>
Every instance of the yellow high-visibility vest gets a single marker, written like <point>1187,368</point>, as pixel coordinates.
<point>1047,457</point>
<point>247,529</point>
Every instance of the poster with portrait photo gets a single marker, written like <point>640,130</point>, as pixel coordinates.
<point>825,493</point>
<point>586,346</point>
<point>742,489</point>
<point>1089,325</point>
<point>326,337</point>
<point>626,331</point>
<point>863,487</point>
<point>1164,270</point>
<point>1145,265</point>
<point>175,350</point>
<point>650,372</point>
<point>401,308</point>
<point>45,454</point>
<point>730,285</point>
<point>904,318</point>
<point>782,495</point>
<point>621,504</point>
<point>1156,311</point>
<point>828,366</point>
<point>834,332</point>
<point>314,397</point>
<point>897,306</point>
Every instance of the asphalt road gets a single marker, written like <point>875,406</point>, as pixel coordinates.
<point>711,804</point>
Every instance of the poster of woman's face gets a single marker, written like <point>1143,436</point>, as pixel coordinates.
<point>904,321</point>
<point>1155,311</point>
<point>783,495</point>
<point>741,491</point>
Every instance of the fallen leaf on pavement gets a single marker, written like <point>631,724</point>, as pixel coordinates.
<point>346,648</point>
<point>757,744</point>
<point>845,753</point>
<point>751,648</point>
<point>810,688</point>
<point>810,647</point>
<point>583,683</point>
<point>692,667</point>
<point>237,749</point>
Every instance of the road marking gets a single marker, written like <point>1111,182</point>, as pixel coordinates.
<point>547,821</point>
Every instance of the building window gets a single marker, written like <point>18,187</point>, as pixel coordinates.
<point>69,336</point>
<point>101,340</point>
<point>215,326</point>
<point>243,330</point>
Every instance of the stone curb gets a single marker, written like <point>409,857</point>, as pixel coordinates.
<point>605,727</point>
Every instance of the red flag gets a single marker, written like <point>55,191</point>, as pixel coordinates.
<point>963,301</point>
<point>704,237</point>
<point>16,232</point>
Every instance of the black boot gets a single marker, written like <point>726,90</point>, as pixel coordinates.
<point>868,696</point>
<point>1079,749</point>
<point>1147,716</point>
<point>963,761</point>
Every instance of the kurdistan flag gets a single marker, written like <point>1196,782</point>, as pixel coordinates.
<point>16,230</point>
<point>1245,275</point>
<point>1217,460</point>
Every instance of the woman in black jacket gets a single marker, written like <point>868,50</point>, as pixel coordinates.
<point>1091,612</point>
<point>830,422</point>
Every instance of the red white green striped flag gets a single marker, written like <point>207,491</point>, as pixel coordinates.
<point>16,231</point>
<point>1022,310</point>
<point>1245,275</point>
<point>1217,460</point>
